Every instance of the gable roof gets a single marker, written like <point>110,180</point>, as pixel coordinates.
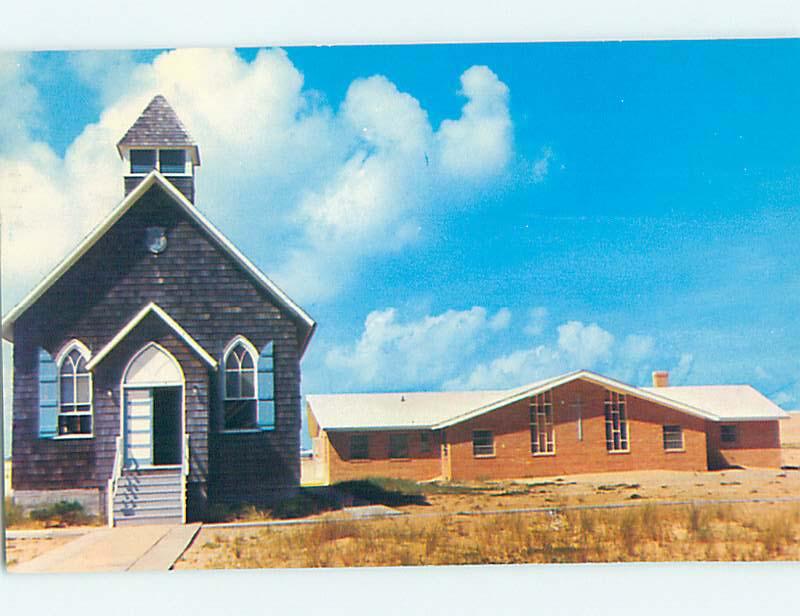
<point>155,177</point>
<point>155,309</point>
<point>158,126</point>
<point>443,409</point>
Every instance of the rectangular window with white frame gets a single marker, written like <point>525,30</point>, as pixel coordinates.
<point>543,437</point>
<point>482,443</point>
<point>616,415</point>
<point>673,438</point>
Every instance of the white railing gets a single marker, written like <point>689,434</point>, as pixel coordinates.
<point>184,474</point>
<point>116,473</point>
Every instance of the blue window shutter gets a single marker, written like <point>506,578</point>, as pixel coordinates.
<point>266,389</point>
<point>48,395</point>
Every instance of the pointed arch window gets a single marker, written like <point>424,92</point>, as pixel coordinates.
<point>74,391</point>
<point>240,386</point>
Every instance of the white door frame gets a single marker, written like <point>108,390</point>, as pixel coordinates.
<point>154,384</point>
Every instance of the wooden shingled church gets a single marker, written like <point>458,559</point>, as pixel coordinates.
<point>156,369</point>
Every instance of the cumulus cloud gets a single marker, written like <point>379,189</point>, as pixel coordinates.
<point>576,345</point>
<point>330,186</point>
<point>501,320</point>
<point>537,320</point>
<point>461,350</point>
<point>478,144</point>
<point>392,353</point>
<point>19,102</point>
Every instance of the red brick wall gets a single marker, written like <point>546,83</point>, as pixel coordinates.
<point>513,456</point>
<point>418,466</point>
<point>758,445</point>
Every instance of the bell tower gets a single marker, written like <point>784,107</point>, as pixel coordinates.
<point>159,140</point>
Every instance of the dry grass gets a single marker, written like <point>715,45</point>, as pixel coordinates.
<point>644,533</point>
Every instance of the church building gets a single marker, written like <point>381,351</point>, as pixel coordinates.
<point>156,368</point>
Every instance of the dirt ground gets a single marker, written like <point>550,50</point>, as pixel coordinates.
<point>790,439</point>
<point>19,551</point>
<point>215,547</point>
<point>750,532</point>
<point>610,488</point>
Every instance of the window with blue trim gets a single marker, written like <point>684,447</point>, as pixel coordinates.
<point>240,389</point>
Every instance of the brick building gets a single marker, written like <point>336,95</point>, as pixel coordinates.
<point>579,422</point>
<point>156,369</point>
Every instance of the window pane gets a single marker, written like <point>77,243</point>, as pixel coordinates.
<point>172,161</point>
<point>85,424</point>
<point>247,360</point>
<point>248,384</point>
<point>142,161</point>
<point>398,446</point>
<point>232,384</point>
<point>67,390</point>
<point>359,447</point>
<point>83,389</point>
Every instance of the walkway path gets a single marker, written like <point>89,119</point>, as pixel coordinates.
<point>129,548</point>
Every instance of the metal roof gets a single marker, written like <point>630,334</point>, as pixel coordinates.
<point>728,402</point>
<point>435,410</point>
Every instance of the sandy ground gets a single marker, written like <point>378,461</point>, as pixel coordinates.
<point>608,488</point>
<point>576,490</point>
<point>19,551</point>
<point>790,439</point>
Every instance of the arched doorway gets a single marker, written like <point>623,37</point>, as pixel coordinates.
<point>152,414</point>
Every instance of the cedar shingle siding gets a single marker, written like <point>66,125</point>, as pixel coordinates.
<point>213,299</point>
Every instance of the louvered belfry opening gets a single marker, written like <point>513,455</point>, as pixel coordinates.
<point>158,140</point>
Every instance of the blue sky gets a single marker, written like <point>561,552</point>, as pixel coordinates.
<point>459,216</point>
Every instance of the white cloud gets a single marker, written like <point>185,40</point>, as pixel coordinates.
<point>333,186</point>
<point>541,166</point>
<point>19,102</point>
<point>501,320</point>
<point>537,321</point>
<point>575,346</point>
<point>478,144</point>
<point>460,350</point>
<point>682,370</point>
<point>391,353</point>
<point>585,344</point>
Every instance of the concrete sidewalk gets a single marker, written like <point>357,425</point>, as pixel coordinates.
<point>129,548</point>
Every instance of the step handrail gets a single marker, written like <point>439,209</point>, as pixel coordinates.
<point>184,473</point>
<point>185,460</point>
<point>116,473</point>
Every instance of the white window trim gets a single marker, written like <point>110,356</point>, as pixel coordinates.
<point>254,355</point>
<point>682,447</point>
<point>74,345</point>
<point>543,399</point>
<point>484,455</point>
<point>188,164</point>
<point>623,398</point>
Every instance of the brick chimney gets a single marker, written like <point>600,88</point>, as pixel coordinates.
<point>660,378</point>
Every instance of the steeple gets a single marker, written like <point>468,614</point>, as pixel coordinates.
<point>159,140</point>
